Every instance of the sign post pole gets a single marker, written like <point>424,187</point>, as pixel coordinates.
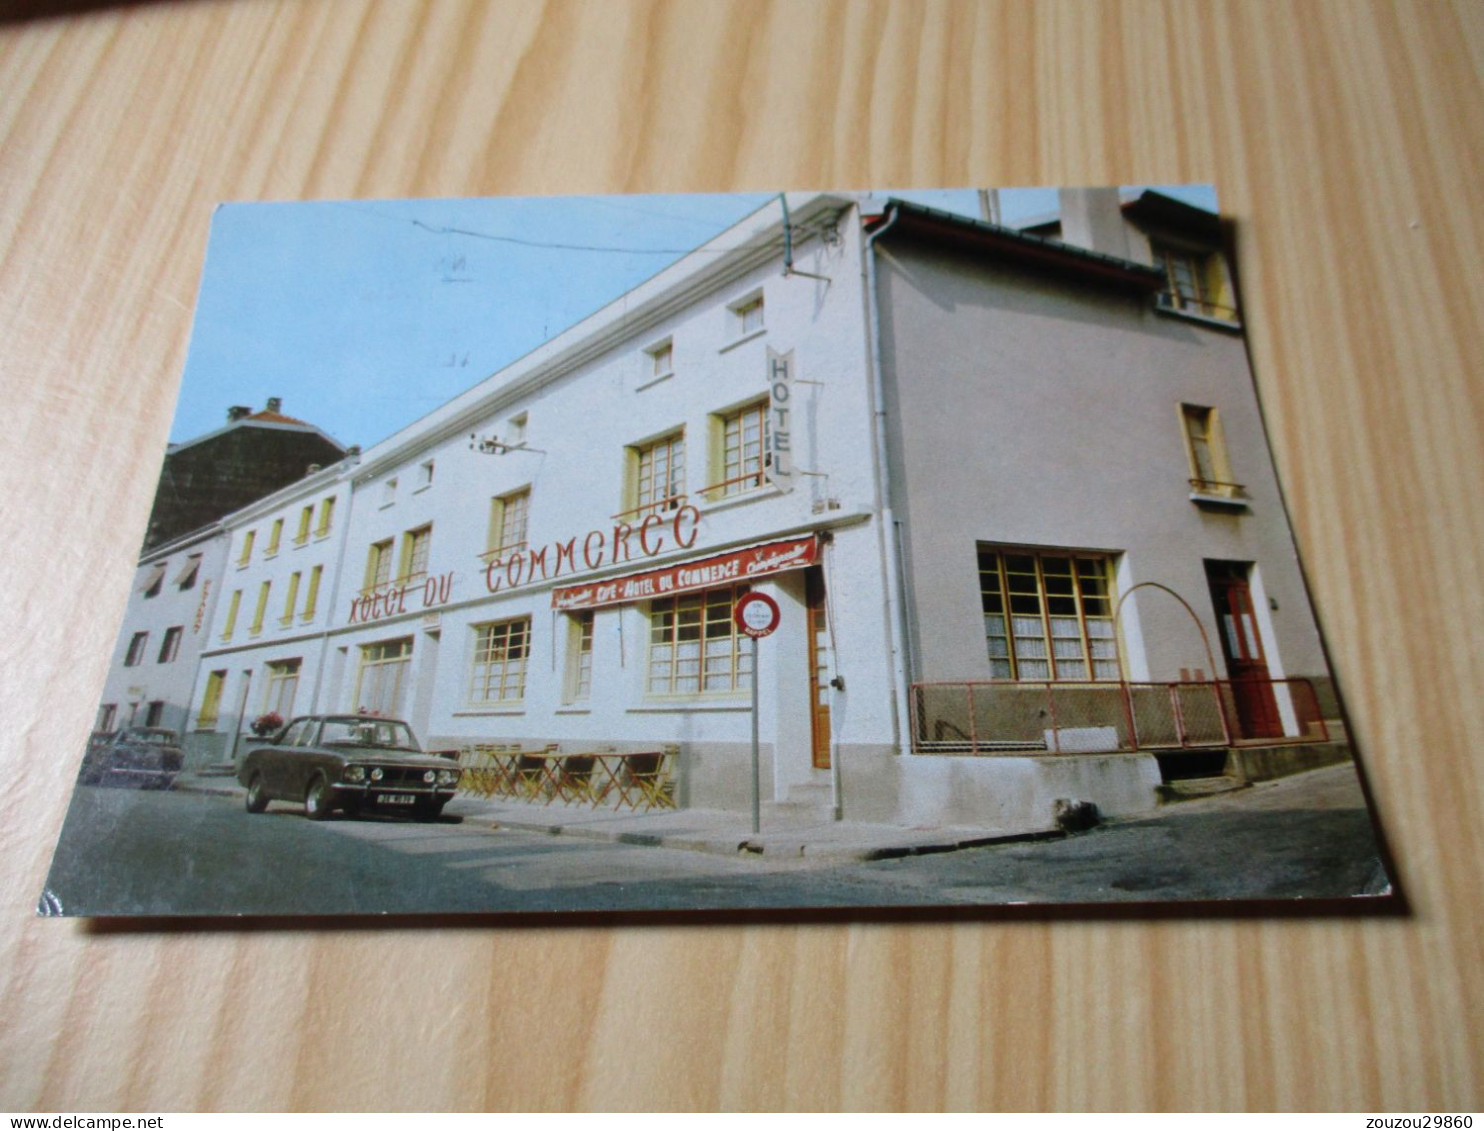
<point>757,789</point>
<point>756,614</point>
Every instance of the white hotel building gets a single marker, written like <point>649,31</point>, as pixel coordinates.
<point>553,556</point>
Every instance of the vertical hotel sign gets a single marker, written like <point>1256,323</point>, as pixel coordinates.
<point>780,463</point>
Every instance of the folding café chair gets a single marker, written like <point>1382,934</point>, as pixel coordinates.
<point>649,774</point>
<point>574,779</point>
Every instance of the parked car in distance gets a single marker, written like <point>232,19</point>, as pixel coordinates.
<point>140,757</point>
<point>348,762</point>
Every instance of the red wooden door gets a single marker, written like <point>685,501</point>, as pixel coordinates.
<point>818,628</point>
<point>1241,644</point>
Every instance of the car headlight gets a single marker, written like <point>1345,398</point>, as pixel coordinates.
<point>355,773</point>
<point>430,777</point>
<point>377,774</point>
<point>447,777</point>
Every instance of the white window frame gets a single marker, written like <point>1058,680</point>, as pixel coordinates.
<point>499,662</point>
<point>378,661</point>
<point>577,682</point>
<point>669,654</point>
<point>1016,651</point>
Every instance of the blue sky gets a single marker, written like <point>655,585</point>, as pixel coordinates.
<point>365,315</point>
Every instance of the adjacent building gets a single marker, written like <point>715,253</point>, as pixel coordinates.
<point>171,604</point>
<point>252,455</point>
<point>265,652</point>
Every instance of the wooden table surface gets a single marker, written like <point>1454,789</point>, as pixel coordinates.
<point>1345,139</point>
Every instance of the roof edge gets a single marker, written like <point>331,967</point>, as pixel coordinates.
<point>1011,243</point>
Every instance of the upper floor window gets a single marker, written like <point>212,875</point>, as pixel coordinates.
<point>306,516</point>
<point>247,541</point>
<point>155,580</point>
<point>170,646</point>
<point>741,450</point>
<point>1195,281</point>
<point>658,476</point>
<point>137,643</point>
<point>509,519</point>
<point>661,360</point>
<point>326,513</point>
<point>275,536</point>
<point>379,563</point>
<point>1048,616</point>
<point>188,575</point>
<point>229,625</point>
<point>389,492</point>
<point>291,599</point>
<point>311,599</point>
<point>261,608</point>
<point>747,316</point>
<point>425,474</point>
<point>416,545</point>
<point>1210,470</point>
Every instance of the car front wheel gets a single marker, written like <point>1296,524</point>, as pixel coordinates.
<point>318,799</point>
<point>257,800</point>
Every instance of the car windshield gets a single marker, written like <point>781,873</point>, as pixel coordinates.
<point>157,737</point>
<point>384,733</point>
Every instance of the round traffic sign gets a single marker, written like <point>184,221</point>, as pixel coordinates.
<point>756,614</point>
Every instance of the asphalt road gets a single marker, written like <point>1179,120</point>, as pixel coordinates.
<point>125,852</point>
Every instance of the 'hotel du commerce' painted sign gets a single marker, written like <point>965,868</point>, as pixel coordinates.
<point>720,569</point>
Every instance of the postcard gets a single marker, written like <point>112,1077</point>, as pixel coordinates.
<point>694,553</point>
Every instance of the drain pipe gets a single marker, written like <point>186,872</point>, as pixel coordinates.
<point>890,546</point>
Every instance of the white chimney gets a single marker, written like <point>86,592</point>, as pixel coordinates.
<point>1091,219</point>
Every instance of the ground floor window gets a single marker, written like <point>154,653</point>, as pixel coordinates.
<point>579,679</point>
<point>694,645</point>
<point>154,714</point>
<point>1048,616</point>
<point>106,715</point>
<point>381,682</point>
<point>500,653</point>
<point>283,686</point>
<point>211,700</point>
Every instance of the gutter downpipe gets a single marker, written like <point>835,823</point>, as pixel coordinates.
<point>886,534</point>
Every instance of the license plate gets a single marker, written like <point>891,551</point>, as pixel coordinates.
<point>397,798</point>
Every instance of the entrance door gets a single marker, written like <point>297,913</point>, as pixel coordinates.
<point>1246,667</point>
<point>819,667</point>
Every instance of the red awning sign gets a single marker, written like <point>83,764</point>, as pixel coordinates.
<point>686,577</point>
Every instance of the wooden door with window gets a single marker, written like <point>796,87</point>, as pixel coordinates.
<point>1241,644</point>
<point>818,628</point>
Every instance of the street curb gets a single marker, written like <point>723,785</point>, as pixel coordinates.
<point>777,846</point>
<point>233,790</point>
<point>781,849</point>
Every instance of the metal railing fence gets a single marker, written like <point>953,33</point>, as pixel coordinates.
<point>1048,717</point>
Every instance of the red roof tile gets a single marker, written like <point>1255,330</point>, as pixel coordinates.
<point>276,418</point>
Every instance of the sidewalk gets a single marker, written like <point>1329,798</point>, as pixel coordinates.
<point>785,835</point>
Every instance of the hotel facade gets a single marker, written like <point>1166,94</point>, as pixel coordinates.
<point>1009,489</point>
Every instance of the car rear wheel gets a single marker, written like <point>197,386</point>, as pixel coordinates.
<point>257,800</point>
<point>318,799</point>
